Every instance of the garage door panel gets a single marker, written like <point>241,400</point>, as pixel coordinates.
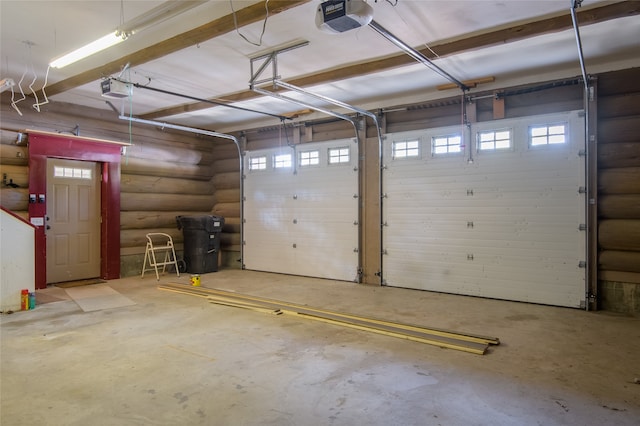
<point>311,208</point>
<point>494,226</point>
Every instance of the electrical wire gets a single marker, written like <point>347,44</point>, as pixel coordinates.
<point>35,76</point>
<point>14,102</point>
<point>37,105</point>
<point>264,24</point>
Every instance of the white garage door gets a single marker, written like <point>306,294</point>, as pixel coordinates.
<point>301,210</point>
<point>501,217</point>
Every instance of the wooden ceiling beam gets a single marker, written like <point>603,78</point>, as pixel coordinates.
<point>473,42</point>
<point>215,28</point>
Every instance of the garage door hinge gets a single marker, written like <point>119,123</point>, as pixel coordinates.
<point>385,251</point>
<point>469,192</point>
<point>582,227</point>
<point>469,224</point>
<point>582,190</point>
<point>470,257</point>
<point>582,153</point>
<point>355,250</point>
<point>582,264</point>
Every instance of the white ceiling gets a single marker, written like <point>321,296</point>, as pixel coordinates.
<point>35,32</point>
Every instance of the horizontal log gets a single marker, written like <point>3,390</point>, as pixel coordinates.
<point>14,199</point>
<point>226,209</point>
<point>138,237</point>
<point>23,214</point>
<point>226,180</point>
<point>619,234</point>
<point>234,247</point>
<point>231,225</point>
<point>618,82</point>
<point>223,166</point>
<point>229,239</point>
<point>138,166</point>
<point>624,104</point>
<point>165,202</point>
<point>227,195</point>
<point>620,129</point>
<point>14,154</point>
<point>225,152</point>
<point>153,151</point>
<point>626,206</point>
<point>617,155</point>
<point>624,261</point>
<point>166,185</point>
<point>153,219</point>
<point>18,175</point>
<point>624,180</point>
<point>619,277</point>
<point>11,137</point>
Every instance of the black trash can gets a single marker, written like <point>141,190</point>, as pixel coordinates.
<point>201,242</point>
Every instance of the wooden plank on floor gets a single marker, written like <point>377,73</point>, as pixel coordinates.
<point>438,337</point>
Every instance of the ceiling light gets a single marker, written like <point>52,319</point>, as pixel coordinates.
<point>96,46</point>
<point>154,16</point>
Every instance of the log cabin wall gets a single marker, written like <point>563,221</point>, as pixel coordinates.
<point>163,173</point>
<point>619,190</point>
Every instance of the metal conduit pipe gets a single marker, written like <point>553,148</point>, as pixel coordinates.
<point>207,133</point>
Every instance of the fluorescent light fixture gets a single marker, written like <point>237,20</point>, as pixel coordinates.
<point>96,46</point>
<point>160,13</point>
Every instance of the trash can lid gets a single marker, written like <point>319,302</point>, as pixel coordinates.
<point>209,223</point>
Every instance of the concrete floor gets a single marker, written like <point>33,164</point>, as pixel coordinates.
<point>175,359</point>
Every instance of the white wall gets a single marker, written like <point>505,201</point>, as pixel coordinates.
<point>17,259</point>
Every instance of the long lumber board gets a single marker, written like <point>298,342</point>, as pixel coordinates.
<point>438,337</point>
<point>353,322</point>
<point>436,331</point>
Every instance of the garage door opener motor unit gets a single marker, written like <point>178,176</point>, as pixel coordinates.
<point>338,16</point>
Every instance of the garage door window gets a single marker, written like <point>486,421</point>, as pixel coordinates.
<point>405,149</point>
<point>494,140</point>
<point>450,144</point>
<point>281,161</point>
<point>338,155</point>
<point>548,134</point>
<point>258,163</point>
<point>309,158</point>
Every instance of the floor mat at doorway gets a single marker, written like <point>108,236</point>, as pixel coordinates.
<point>69,284</point>
<point>98,297</point>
